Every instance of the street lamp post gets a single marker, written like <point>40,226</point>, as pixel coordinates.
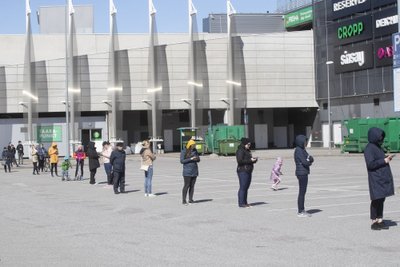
<point>328,63</point>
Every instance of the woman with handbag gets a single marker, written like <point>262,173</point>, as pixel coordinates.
<point>147,166</point>
<point>189,158</point>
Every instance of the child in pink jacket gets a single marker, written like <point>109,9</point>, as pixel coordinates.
<point>275,173</point>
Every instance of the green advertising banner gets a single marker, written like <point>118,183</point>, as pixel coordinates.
<point>299,17</point>
<point>48,134</point>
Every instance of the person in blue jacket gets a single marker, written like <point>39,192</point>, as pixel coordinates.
<point>189,158</point>
<point>380,179</point>
<point>303,162</point>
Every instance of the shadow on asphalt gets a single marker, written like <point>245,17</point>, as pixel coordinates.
<point>131,191</point>
<point>283,188</point>
<point>258,203</point>
<point>161,193</point>
<point>203,200</point>
<point>390,223</point>
<point>313,211</point>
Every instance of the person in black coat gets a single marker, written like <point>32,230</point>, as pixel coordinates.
<point>303,162</point>
<point>245,166</point>
<point>380,179</point>
<point>117,160</point>
<point>93,161</point>
<point>20,150</point>
<point>7,159</point>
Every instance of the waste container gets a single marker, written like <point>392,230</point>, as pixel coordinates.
<point>228,147</point>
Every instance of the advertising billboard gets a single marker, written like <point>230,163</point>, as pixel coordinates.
<point>351,31</point>
<point>383,51</point>
<point>343,8</point>
<point>379,3</point>
<point>302,16</point>
<point>386,22</point>
<point>48,134</point>
<point>353,58</point>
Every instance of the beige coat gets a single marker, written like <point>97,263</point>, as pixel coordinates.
<point>147,157</point>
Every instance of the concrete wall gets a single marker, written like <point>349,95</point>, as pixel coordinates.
<point>276,70</point>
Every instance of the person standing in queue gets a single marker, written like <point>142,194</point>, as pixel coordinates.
<point>35,159</point>
<point>79,156</point>
<point>147,166</point>
<point>20,150</point>
<point>6,157</point>
<point>245,166</point>
<point>53,154</point>
<point>106,154</point>
<point>303,162</point>
<point>93,161</point>
<point>42,153</point>
<point>380,178</point>
<point>117,160</point>
<point>189,158</point>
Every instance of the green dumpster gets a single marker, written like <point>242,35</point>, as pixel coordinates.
<point>228,147</point>
<point>357,137</point>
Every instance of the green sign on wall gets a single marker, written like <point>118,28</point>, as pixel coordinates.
<point>299,17</point>
<point>48,134</point>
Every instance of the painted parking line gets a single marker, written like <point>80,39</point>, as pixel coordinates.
<point>360,214</point>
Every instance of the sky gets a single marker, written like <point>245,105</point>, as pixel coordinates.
<point>132,15</point>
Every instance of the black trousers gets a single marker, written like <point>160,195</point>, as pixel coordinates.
<point>376,209</point>
<point>35,168</point>
<point>92,175</point>
<point>41,165</point>
<point>189,183</point>
<point>303,182</point>
<point>119,181</point>
<point>79,163</point>
<point>7,165</point>
<point>53,168</point>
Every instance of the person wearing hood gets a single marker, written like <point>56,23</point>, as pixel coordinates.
<point>117,160</point>
<point>93,161</point>
<point>303,162</point>
<point>189,159</point>
<point>276,173</point>
<point>147,166</point>
<point>53,154</point>
<point>245,166</point>
<point>380,179</point>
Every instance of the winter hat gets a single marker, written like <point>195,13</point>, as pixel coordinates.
<point>120,144</point>
<point>245,141</point>
<point>190,143</point>
<point>66,158</point>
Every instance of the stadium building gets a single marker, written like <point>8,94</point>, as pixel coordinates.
<point>135,86</point>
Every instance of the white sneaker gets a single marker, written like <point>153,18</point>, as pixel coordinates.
<point>304,214</point>
<point>146,195</point>
<point>151,195</point>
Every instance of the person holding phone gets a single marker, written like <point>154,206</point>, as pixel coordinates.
<point>189,158</point>
<point>245,166</point>
<point>380,178</point>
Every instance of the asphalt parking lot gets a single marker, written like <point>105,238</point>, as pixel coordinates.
<point>46,222</point>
